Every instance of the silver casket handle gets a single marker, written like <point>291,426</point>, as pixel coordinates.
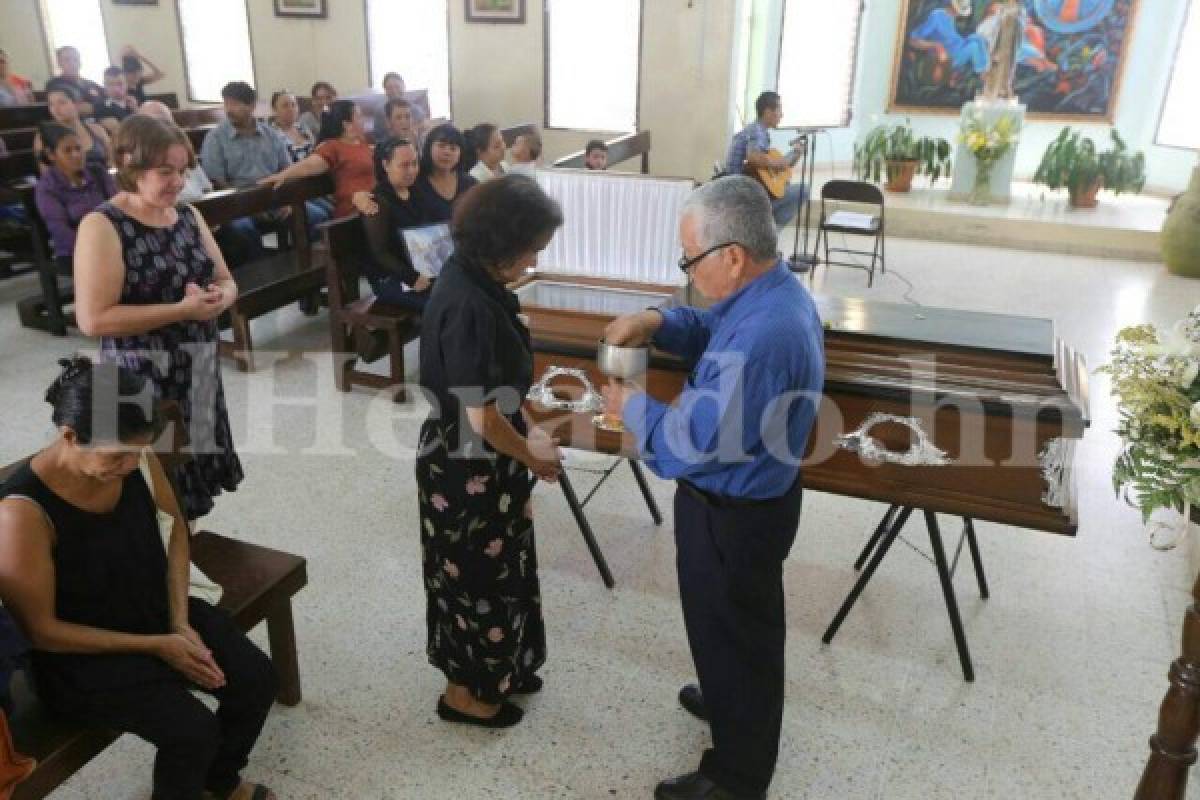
<point>542,392</point>
<point>923,453</point>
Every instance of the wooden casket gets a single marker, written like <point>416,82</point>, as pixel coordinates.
<point>957,412</point>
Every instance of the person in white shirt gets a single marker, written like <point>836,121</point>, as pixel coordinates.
<point>488,144</point>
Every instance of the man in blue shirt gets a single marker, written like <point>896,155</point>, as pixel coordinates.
<point>750,150</point>
<point>733,440</point>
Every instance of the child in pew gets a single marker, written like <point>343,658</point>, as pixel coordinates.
<point>525,153</point>
<point>68,190</point>
<point>117,642</point>
<point>595,155</point>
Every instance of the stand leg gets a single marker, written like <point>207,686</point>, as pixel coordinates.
<point>939,556</point>
<point>865,578</point>
<point>976,558</point>
<point>585,529</point>
<point>645,487</point>
<point>883,525</point>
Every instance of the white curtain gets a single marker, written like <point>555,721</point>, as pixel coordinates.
<point>616,225</point>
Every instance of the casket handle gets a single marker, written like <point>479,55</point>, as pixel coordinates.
<point>542,392</point>
<point>923,453</point>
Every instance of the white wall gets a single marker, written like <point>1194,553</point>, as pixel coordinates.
<point>496,71</point>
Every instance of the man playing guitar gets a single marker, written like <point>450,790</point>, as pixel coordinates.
<point>750,153</point>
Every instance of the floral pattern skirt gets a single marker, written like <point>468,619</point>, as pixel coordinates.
<point>484,606</point>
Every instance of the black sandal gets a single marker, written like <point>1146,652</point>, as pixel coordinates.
<point>506,717</point>
<point>530,685</point>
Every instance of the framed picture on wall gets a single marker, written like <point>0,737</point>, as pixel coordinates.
<point>301,8</point>
<point>1070,57</point>
<point>496,11</point>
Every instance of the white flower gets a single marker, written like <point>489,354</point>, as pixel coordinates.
<point>1188,373</point>
<point>1174,342</point>
<point>1195,414</point>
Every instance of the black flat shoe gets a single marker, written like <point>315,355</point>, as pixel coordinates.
<point>530,685</point>
<point>692,701</point>
<point>506,717</point>
<point>695,786</point>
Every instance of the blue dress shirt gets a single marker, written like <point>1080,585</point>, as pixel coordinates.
<point>741,424</point>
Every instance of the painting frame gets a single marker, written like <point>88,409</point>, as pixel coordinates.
<point>302,9</point>
<point>1037,109</point>
<point>485,11</point>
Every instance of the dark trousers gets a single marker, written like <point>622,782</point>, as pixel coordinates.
<point>730,562</point>
<point>198,749</point>
<point>390,290</point>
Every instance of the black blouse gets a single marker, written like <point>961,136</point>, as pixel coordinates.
<point>436,207</point>
<point>388,251</point>
<point>473,345</point>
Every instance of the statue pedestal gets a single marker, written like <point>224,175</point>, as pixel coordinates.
<point>964,162</point>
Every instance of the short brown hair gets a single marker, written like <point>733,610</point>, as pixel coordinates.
<point>533,140</point>
<point>142,144</point>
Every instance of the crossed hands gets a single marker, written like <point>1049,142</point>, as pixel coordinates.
<point>201,305</point>
<point>185,652</point>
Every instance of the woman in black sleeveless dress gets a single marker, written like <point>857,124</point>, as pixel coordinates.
<point>117,642</point>
<point>478,458</point>
<point>151,282</point>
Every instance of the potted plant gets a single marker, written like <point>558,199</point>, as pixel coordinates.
<point>1072,162</point>
<point>1156,382</point>
<point>897,153</point>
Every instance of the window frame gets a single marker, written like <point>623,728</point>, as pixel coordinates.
<point>637,101</point>
<point>43,19</point>
<point>1193,8</point>
<point>371,86</point>
<point>183,53</point>
<point>848,116</point>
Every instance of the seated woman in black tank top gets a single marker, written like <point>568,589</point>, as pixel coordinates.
<point>117,642</point>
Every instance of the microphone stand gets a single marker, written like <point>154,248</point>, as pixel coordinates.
<point>802,261</point>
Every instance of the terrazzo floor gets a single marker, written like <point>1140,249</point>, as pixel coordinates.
<point>1071,651</point>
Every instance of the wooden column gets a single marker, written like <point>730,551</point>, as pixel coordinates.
<point>1173,746</point>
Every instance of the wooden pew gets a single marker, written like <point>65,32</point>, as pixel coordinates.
<point>198,117</point>
<point>27,116</point>
<point>19,138</point>
<point>350,312</point>
<point>196,136</point>
<point>510,134</point>
<point>621,149</point>
<point>17,166</point>
<point>258,585</point>
<point>47,311</point>
<point>285,277</point>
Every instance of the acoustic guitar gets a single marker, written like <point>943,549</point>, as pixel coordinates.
<point>776,181</point>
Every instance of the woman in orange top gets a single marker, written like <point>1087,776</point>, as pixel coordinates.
<point>344,153</point>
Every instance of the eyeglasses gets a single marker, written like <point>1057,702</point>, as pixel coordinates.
<point>686,263</point>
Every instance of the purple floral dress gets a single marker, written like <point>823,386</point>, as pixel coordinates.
<point>181,359</point>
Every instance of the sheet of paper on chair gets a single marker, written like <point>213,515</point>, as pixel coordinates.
<point>850,219</point>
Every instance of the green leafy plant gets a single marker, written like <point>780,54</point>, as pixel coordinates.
<point>1072,162</point>
<point>886,146</point>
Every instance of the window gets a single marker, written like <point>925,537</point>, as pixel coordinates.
<point>80,24</point>
<point>412,37</point>
<point>592,54</point>
<point>817,53</point>
<point>1179,125</point>
<point>216,46</point>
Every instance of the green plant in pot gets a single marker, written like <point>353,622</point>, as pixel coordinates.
<point>1072,162</point>
<point>896,153</point>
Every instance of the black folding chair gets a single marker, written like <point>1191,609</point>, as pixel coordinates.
<point>853,222</point>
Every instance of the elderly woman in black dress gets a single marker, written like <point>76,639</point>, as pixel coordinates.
<point>117,642</point>
<point>151,282</point>
<point>479,457</point>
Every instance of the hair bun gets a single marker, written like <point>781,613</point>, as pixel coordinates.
<point>72,368</point>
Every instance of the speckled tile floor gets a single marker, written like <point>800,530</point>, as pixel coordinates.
<point>1071,651</point>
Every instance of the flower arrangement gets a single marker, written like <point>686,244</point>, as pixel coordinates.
<point>1156,381</point>
<point>989,144</point>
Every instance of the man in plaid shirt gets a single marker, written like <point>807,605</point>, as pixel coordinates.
<point>750,150</point>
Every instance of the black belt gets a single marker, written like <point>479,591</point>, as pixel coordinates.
<point>723,500</point>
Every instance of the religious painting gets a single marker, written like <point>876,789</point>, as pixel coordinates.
<point>496,11</point>
<point>301,8</point>
<point>1069,56</point>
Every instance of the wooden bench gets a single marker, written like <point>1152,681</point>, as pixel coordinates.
<point>169,99</point>
<point>26,116</point>
<point>19,139</point>
<point>258,584</point>
<point>284,277</point>
<point>350,312</point>
<point>198,117</point>
<point>621,149</point>
<point>46,311</point>
<point>17,165</point>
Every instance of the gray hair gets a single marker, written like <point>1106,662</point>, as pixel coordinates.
<point>734,209</point>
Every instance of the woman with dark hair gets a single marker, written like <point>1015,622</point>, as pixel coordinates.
<point>100,589</point>
<point>300,143</point>
<point>322,95</point>
<point>443,178</point>
<point>394,280</point>
<point>134,65</point>
<point>151,282</point>
<point>343,152</point>
<point>63,103</point>
<point>487,145</point>
<point>478,457</point>
<point>68,189</point>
